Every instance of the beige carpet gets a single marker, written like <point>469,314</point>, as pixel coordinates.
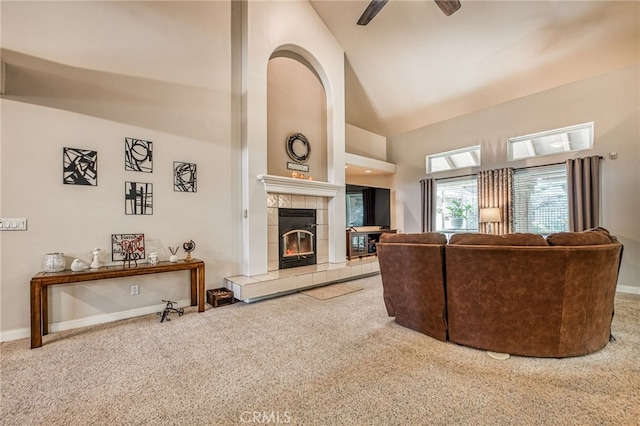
<point>304,361</point>
<point>331,291</point>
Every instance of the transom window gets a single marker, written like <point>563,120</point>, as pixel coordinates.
<point>558,141</point>
<point>456,159</point>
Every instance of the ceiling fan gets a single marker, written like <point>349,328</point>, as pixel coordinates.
<point>448,7</point>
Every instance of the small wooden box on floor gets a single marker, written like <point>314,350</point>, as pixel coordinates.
<point>220,296</point>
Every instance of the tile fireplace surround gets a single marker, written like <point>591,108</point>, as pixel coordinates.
<point>279,282</point>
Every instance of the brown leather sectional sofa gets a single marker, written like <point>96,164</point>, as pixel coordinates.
<point>520,294</point>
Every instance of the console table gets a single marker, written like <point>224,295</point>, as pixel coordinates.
<point>42,280</point>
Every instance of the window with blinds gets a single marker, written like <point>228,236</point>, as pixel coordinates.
<point>540,203</point>
<point>457,204</point>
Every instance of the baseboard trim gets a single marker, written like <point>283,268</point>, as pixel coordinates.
<point>628,289</point>
<point>23,333</point>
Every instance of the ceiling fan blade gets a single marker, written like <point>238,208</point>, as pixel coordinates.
<point>371,11</point>
<point>448,7</point>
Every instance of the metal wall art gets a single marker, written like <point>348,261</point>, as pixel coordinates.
<point>138,198</point>
<point>298,147</point>
<point>80,167</point>
<point>138,155</point>
<point>184,177</point>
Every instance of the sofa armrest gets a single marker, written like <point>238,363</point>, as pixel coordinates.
<point>413,286</point>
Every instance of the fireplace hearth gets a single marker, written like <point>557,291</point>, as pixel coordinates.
<point>297,230</point>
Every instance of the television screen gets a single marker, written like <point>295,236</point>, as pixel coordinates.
<point>368,206</point>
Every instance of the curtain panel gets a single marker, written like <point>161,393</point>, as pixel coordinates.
<point>583,192</point>
<point>495,189</point>
<point>369,205</point>
<point>427,194</point>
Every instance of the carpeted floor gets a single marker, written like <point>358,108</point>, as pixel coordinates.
<point>331,291</point>
<point>299,360</point>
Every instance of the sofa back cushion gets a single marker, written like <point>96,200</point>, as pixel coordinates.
<point>589,237</point>
<point>422,238</point>
<point>518,239</point>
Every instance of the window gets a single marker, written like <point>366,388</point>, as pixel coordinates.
<point>457,204</point>
<point>559,141</point>
<point>451,160</point>
<point>355,209</point>
<point>540,202</point>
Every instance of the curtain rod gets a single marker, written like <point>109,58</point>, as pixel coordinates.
<point>550,164</point>
<point>515,168</point>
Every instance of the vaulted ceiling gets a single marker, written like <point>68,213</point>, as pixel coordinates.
<point>412,66</point>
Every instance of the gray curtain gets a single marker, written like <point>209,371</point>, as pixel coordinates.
<point>427,193</point>
<point>369,205</point>
<point>495,189</point>
<point>583,192</point>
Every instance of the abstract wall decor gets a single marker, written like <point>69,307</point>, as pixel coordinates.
<point>80,167</point>
<point>138,155</point>
<point>138,198</point>
<point>184,177</point>
<point>127,247</point>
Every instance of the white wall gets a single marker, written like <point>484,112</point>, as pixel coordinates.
<point>87,75</point>
<point>270,27</point>
<point>365,143</point>
<point>610,100</point>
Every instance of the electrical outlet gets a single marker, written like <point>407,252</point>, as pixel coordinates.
<point>134,290</point>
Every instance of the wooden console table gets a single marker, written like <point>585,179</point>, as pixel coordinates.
<point>42,280</point>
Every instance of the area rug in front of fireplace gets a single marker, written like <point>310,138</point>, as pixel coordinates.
<point>331,291</point>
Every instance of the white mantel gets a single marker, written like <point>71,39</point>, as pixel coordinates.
<point>286,185</point>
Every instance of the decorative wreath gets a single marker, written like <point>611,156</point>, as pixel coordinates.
<point>299,157</point>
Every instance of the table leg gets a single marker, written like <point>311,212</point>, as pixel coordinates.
<point>201,288</point>
<point>36,318</point>
<point>194,287</point>
<point>44,296</point>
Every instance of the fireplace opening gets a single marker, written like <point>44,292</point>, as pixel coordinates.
<point>297,230</point>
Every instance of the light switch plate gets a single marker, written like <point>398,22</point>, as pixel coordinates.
<point>13,224</point>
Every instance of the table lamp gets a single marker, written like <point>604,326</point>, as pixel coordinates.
<point>489,216</point>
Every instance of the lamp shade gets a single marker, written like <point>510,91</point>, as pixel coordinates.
<point>493,214</point>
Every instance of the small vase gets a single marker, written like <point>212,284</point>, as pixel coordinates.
<point>54,262</point>
<point>173,258</point>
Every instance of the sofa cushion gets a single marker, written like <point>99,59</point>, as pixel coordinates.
<point>518,239</point>
<point>589,237</point>
<point>422,238</point>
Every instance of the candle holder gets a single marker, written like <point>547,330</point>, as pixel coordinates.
<point>54,262</point>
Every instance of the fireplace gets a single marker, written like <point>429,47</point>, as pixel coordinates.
<point>297,230</point>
